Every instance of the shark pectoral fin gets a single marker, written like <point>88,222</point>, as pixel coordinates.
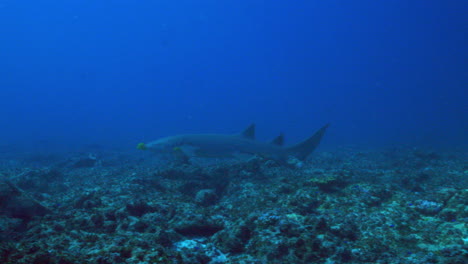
<point>186,150</point>
<point>193,151</point>
<point>212,154</point>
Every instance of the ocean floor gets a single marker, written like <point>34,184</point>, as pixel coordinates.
<point>399,205</point>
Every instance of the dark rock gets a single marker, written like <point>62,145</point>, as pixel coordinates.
<point>139,208</point>
<point>86,162</point>
<point>17,204</point>
<point>206,197</point>
<point>197,228</point>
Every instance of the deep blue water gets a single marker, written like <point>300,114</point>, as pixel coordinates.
<point>121,72</point>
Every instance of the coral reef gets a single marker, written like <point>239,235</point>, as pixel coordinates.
<point>346,206</point>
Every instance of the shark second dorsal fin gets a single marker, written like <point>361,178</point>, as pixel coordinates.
<point>249,132</point>
<point>279,140</point>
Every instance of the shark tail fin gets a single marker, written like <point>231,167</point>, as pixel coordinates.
<point>306,147</point>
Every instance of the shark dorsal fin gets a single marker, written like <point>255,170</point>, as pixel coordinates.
<point>279,140</point>
<point>249,132</point>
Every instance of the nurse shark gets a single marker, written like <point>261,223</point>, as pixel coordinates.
<point>225,145</point>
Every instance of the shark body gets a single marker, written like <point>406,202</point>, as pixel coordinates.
<point>221,145</point>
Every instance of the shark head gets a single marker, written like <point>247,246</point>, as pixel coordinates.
<point>163,145</point>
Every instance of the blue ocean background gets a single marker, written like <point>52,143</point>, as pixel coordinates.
<point>116,73</point>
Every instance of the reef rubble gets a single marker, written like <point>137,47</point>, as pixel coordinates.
<point>400,205</point>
